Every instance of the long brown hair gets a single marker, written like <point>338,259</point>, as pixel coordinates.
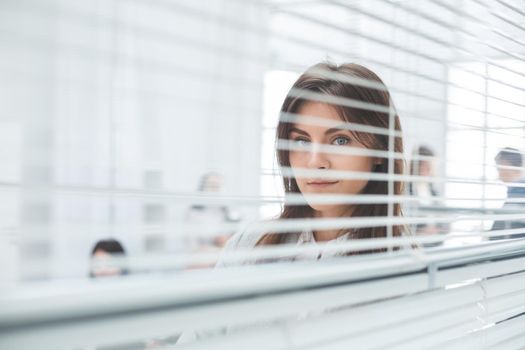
<point>376,93</point>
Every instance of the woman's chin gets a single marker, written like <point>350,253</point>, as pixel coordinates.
<point>327,210</point>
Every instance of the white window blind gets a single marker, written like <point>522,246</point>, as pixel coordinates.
<point>154,123</point>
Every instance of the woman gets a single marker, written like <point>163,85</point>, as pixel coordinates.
<point>347,85</point>
<point>340,98</point>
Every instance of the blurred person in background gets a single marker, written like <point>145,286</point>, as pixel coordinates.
<point>210,214</point>
<point>509,163</point>
<point>102,254</point>
<point>422,164</point>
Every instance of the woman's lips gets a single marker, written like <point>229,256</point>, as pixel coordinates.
<point>321,183</point>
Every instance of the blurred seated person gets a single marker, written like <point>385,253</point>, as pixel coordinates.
<point>509,162</point>
<point>101,255</point>
<point>209,214</point>
<point>422,164</point>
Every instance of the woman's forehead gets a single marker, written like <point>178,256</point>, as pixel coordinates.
<point>321,110</point>
<point>316,115</point>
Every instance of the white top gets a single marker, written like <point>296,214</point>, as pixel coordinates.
<point>246,241</point>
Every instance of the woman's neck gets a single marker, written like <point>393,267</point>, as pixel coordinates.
<point>328,235</point>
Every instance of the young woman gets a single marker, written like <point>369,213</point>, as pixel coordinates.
<point>331,108</point>
<point>332,95</point>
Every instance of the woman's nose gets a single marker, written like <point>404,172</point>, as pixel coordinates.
<point>317,159</point>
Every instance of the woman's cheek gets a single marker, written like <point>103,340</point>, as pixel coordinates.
<point>353,186</point>
<point>296,158</point>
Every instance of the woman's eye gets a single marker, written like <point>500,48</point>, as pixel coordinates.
<point>341,141</point>
<point>302,142</point>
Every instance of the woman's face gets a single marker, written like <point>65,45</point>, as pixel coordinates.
<point>311,137</point>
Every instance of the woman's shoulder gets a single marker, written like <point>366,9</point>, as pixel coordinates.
<point>243,240</point>
<point>249,234</point>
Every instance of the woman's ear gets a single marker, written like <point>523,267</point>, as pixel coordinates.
<point>376,163</point>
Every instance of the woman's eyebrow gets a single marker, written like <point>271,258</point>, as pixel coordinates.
<point>299,131</point>
<point>336,129</point>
